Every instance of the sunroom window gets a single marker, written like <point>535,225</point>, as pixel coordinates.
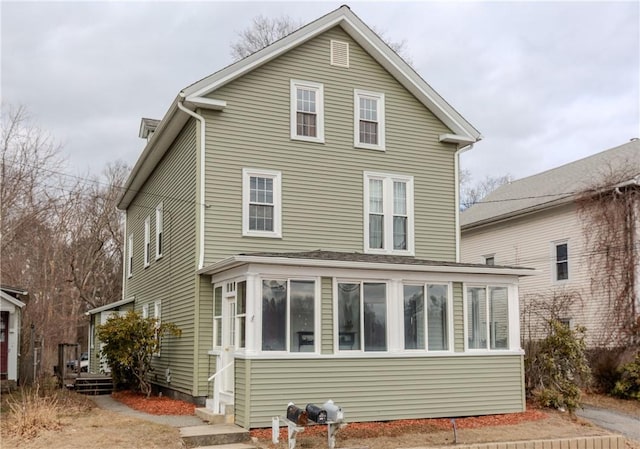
<point>362,316</point>
<point>288,315</point>
<point>487,317</point>
<point>431,329</point>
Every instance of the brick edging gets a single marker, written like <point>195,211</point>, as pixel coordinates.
<point>588,442</point>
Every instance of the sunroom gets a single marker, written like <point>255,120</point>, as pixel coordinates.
<point>387,337</point>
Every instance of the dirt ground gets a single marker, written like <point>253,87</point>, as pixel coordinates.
<point>101,429</point>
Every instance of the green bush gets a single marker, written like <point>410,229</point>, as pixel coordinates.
<point>560,367</point>
<point>628,387</point>
<point>605,367</point>
<point>129,342</point>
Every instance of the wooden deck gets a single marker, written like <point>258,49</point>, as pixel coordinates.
<point>89,383</point>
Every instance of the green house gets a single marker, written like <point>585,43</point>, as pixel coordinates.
<point>296,215</point>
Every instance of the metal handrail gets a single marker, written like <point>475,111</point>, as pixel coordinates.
<point>218,372</point>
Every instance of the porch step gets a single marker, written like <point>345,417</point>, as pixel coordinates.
<point>93,384</point>
<point>213,435</point>
<point>207,415</point>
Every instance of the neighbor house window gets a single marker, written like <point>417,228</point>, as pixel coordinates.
<point>289,315</point>
<point>130,255</point>
<point>159,230</point>
<point>147,241</point>
<point>490,260</point>
<point>561,268</point>
<point>369,120</point>
<point>362,316</point>
<point>388,223</point>
<point>426,317</point>
<point>261,203</point>
<point>307,111</point>
<point>487,317</point>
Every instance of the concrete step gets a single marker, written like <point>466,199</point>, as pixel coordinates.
<point>213,418</point>
<point>213,435</point>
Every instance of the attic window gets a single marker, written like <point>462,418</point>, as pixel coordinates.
<point>340,53</point>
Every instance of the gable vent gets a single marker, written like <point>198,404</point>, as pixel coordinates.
<point>340,53</point>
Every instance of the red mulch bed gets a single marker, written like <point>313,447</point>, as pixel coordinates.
<point>154,405</point>
<point>396,428</point>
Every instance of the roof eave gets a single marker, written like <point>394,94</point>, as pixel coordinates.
<point>239,260</point>
<point>15,301</point>
<point>113,305</point>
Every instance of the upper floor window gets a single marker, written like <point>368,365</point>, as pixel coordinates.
<point>289,315</point>
<point>159,230</point>
<point>362,316</point>
<point>307,111</point>
<point>130,255</point>
<point>369,120</point>
<point>487,317</point>
<point>388,223</point>
<point>261,203</point>
<point>147,241</point>
<point>561,261</point>
<point>427,317</point>
<point>489,259</point>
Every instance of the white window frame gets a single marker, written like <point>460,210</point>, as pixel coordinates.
<point>554,261</point>
<point>388,180</point>
<point>389,316</point>
<point>317,304</point>
<point>487,257</point>
<point>318,88</point>
<point>147,241</point>
<point>450,323</point>
<point>513,317</point>
<point>130,256</point>
<point>379,98</point>
<point>157,315</point>
<point>145,311</point>
<point>217,319</point>
<point>160,237</point>
<point>276,176</point>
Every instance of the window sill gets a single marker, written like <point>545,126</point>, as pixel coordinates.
<point>158,257</point>
<point>308,139</point>
<point>364,146</point>
<point>269,235</point>
<point>390,252</point>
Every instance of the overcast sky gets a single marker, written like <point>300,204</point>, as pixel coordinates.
<point>545,83</point>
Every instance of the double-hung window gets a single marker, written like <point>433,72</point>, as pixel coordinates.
<point>147,241</point>
<point>369,120</point>
<point>157,315</point>
<point>362,316</point>
<point>561,261</point>
<point>427,317</point>
<point>130,256</point>
<point>307,111</point>
<point>261,203</point>
<point>388,221</point>
<point>289,315</point>
<point>159,230</point>
<point>487,317</point>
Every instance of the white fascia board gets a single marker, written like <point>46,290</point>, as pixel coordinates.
<point>113,305</point>
<point>236,261</point>
<point>454,138</point>
<point>206,103</point>
<point>7,297</point>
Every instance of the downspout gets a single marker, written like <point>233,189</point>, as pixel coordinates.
<point>124,255</point>
<point>202,183</point>
<point>456,158</point>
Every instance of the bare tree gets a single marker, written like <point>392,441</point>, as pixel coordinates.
<point>471,193</point>
<point>264,31</point>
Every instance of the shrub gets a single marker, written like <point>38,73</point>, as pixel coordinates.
<point>560,367</point>
<point>605,367</point>
<point>129,344</point>
<point>628,387</point>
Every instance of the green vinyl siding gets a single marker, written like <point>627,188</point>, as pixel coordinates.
<point>379,389</point>
<point>327,316</point>
<point>458,318</point>
<point>322,184</point>
<point>172,278</point>
<point>204,336</point>
<point>242,391</point>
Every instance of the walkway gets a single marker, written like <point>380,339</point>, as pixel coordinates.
<point>106,402</point>
<point>621,423</point>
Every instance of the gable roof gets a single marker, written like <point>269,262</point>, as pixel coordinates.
<point>560,185</point>
<point>110,306</point>
<point>10,294</point>
<point>192,96</point>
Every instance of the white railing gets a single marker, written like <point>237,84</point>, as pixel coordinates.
<point>218,372</point>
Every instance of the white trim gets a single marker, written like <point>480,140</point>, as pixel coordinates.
<point>145,311</point>
<point>554,262</point>
<point>332,45</point>
<point>113,305</point>
<point>318,88</point>
<point>380,112</point>
<point>374,355</point>
<point>160,241</point>
<point>147,241</point>
<point>130,255</point>
<point>207,103</point>
<point>388,180</point>
<point>454,138</point>
<point>14,301</point>
<point>276,176</point>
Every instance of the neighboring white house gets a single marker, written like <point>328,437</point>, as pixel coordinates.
<point>10,319</point>
<point>536,222</point>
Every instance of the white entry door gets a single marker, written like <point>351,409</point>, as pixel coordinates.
<point>228,344</point>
